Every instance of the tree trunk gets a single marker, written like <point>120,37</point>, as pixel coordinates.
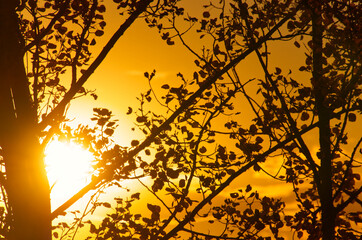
<point>26,185</point>
<point>320,86</point>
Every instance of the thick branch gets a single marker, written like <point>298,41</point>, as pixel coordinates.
<point>319,83</point>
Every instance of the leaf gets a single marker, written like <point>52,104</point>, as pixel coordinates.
<point>206,14</point>
<point>99,33</point>
<point>130,110</point>
<point>305,116</point>
<point>209,105</point>
<point>141,119</point>
<point>51,46</point>
<point>230,171</point>
<point>109,131</point>
<point>136,196</point>
<point>291,25</point>
<point>110,124</point>
<point>259,226</point>
<point>253,129</point>
<point>202,74</point>
<point>107,205</point>
<point>81,90</point>
<point>101,8</point>
<point>101,121</point>
<point>277,71</point>
<point>153,208</point>
<point>202,149</point>
<point>172,173</point>
<point>182,183</point>
<point>165,86</point>
<point>95,96</point>
<point>352,117</point>
<point>248,188</point>
<point>62,30</point>
<point>170,42</point>
<point>302,68</point>
<point>93,228</point>
<point>259,139</point>
<point>65,225</point>
<point>165,35</point>
<point>234,195</point>
<point>256,167</point>
<point>135,143</point>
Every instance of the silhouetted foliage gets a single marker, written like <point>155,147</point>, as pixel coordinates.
<point>214,127</point>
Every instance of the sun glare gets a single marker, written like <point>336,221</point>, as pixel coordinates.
<point>69,169</point>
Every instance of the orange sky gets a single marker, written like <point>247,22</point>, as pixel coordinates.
<point>119,80</point>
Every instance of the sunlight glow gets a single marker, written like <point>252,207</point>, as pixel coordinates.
<point>69,169</point>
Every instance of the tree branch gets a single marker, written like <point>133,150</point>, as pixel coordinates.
<point>349,165</point>
<point>206,84</point>
<point>352,196</point>
<point>59,109</point>
<point>257,159</point>
<point>48,28</point>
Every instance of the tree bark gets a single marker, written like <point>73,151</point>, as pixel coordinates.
<point>27,186</point>
<point>320,87</point>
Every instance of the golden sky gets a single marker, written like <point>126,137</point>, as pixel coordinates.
<point>119,80</point>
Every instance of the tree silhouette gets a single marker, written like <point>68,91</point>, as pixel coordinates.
<point>216,127</point>
<point>53,37</point>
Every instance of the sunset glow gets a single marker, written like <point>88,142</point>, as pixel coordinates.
<point>69,169</point>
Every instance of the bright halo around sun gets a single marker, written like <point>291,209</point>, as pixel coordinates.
<point>69,169</point>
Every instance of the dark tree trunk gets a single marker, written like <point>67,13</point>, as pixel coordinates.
<point>26,181</point>
<point>320,86</point>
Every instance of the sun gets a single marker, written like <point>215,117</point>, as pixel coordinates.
<point>69,168</point>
